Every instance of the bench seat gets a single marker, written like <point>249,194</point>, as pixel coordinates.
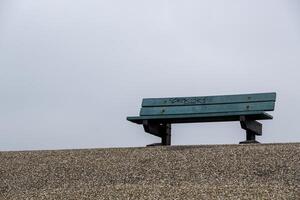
<point>207,117</point>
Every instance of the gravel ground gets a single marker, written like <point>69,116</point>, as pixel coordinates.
<point>260,171</point>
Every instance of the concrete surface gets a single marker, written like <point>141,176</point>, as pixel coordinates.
<point>260,171</point>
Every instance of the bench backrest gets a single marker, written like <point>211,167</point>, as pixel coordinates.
<point>208,104</point>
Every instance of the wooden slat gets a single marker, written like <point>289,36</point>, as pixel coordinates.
<point>206,100</point>
<point>200,109</point>
<point>208,117</point>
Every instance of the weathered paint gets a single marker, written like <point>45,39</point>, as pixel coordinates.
<point>206,100</point>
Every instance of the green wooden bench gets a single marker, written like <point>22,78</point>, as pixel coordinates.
<point>157,114</point>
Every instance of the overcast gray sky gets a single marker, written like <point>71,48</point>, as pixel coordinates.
<point>71,71</point>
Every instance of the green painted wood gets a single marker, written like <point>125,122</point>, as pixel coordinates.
<point>200,109</point>
<point>206,100</point>
<point>207,117</point>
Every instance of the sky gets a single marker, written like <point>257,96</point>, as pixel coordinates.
<point>72,71</point>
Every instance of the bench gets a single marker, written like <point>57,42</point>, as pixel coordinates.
<point>157,114</point>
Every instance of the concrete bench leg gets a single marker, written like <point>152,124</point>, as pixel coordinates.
<point>166,137</point>
<point>252,128</point>
<point>250,138</point>
<point>162,130</point>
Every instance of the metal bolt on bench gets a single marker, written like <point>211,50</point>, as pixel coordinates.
<point>157,114</point>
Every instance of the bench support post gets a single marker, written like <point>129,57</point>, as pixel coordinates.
<point>162,130</point>
<point>252,128</point>
<point>166,137</point>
